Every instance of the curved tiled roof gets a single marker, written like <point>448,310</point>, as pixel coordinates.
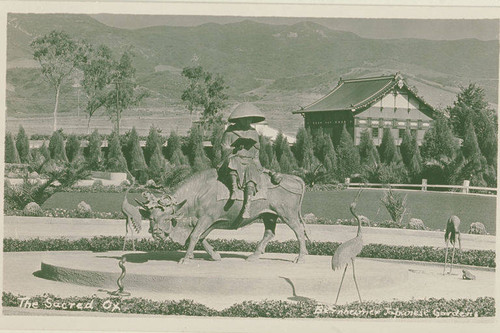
<point>356,94</point>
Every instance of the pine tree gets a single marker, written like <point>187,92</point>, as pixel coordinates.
<point>470,147</point>
<point>367,151</point>
<point>56,147</point>
<point>348,155</point>
<point>73,147</point>
<point>94,158</point>
<point>319,145</point>
<point>197,157</point>
<point>304,149</point>
<point>278,145</point>
<point>157,165</point>
<point>11,154</point>
<point>173,144</point>
<point>218,129</point>
<point>115,161</point>
<point>154,139</point>
<point>407,148</point>
<point>178,158</point>
<point>387,147</point>
<point>329,156</point>
<point>23,146</point>
<point>44,150</point>
<point>274,163</point>
<point>133,154</point>
<point>263,155</point>
<point>439,141</point>
<point>287,162</point>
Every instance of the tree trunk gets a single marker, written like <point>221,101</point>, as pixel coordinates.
<point>58,88</point>
<point>117,122</point>
<point>88,125</point>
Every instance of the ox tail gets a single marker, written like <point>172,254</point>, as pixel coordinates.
<point>300,210</point>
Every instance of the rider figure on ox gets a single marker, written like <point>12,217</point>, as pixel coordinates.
<point>240,154</point>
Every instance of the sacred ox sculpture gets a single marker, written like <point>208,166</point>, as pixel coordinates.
<point>200,205</point>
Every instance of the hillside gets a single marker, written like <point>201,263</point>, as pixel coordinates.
<point>280,67</point>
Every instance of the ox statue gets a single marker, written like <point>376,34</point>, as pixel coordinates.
<point>195,209</point>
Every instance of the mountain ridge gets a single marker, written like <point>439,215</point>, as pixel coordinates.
<point>279,67</point>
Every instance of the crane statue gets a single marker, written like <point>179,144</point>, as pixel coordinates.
<point>451,235</point>
<point>348,251</point>
<point>133,219</point>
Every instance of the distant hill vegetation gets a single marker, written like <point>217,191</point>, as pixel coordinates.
<point>280,67</point>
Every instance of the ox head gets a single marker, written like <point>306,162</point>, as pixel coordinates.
<point>162,213</point>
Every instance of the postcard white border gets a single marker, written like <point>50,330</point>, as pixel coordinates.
<point>425,9</point>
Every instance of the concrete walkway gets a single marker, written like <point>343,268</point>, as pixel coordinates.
<point>412,280</point>
<point>21,227</point>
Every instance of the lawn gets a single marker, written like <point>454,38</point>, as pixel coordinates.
<point>433,208</point>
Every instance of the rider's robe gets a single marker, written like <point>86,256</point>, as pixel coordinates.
<point>241,153</point>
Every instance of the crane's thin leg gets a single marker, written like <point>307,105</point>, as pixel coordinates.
<point>355,282</point>
<point>342,280</point>
<point>133,240</point>
<point>126,233</point>
<point>445,258</point>
<point>452,257</point>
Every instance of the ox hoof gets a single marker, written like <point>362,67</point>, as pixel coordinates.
<point>216,256</point>
<point>253,257</point>
<point>185,261</point>
<point>299,260</point>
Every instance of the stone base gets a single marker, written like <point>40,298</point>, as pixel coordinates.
<point>272,276</point>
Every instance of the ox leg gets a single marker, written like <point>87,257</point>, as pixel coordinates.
<point>269,232</point>
<point>214,255</point>
<point>298,229</point>
<point>202,226</point>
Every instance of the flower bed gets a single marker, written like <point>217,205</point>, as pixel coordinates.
<point>428,308</point>
<point>485,258</point>
<point>68,213</point>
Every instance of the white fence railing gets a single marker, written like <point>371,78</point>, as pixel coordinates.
<point>464,188</point>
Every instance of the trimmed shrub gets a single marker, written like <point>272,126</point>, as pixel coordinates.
<point>484,258</point>
<point>197,157</point>
<point>387,147</point>
<point>23,146</point>
<point>56,147</point>
<point>115,161</point>
<point>304,149</point>
<point>265,152</point>
<point>94,157</point>
<point>84,209</point>
<point>425,308</point>
<point>134,155</point>
<point>173,144</point>
<point>416,224</point>
<point>32,209</point>
<point>154,139</point>
<point>218,129</point>
<point>44,150</point>
<point>347,156</point>
<point>157,165</point>
<point>11,154</point>
<point>367,151</point>
<point>73,148</point>
<point>477,228</point>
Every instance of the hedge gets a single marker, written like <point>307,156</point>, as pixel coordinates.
<point>428,308</point>
<point>485,258</point>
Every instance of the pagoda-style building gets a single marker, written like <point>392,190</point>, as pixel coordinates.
<point>374,103</point>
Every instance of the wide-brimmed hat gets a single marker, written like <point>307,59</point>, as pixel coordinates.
<point>246,110</point>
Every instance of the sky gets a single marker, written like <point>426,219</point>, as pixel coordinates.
<point>368,28</point>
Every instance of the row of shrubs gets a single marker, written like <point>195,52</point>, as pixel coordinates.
<point>426,308</point>
<point>485,258</point>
